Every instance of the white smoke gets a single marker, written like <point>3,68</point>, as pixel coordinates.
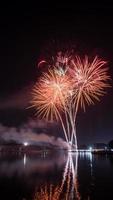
<point>26,133</point>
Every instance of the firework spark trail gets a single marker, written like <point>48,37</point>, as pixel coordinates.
<point>90,80</point>
<point>64,129</point>
<point>71,84</point>
<point>50,91</point>
<point>58,75</point>
<point>50,96</point>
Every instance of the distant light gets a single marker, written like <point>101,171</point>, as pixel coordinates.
<point>24,159</point>
<point>90,148</point>
<point>25,143</point>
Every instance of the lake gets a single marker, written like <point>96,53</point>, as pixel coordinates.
<point>56,175</point>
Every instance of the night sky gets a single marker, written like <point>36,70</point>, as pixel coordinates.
<point>27,34</point>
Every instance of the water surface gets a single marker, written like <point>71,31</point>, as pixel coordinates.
<point>56,176</point>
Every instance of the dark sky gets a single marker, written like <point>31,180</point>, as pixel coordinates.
<point>26,31</point>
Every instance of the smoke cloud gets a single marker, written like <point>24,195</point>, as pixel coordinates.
<point>29,132</point>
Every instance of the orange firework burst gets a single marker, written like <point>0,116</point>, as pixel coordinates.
<point>90,80</point>
<point>73,83</point>
<point>50,94</point>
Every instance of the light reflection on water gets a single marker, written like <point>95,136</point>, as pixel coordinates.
<point>67,188</point>
<point>56,176</point>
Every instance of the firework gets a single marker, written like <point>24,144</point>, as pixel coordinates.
<point>90,80</point>
<point>70,84</point>
<point>50,96</point>
<point>41,63</point>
